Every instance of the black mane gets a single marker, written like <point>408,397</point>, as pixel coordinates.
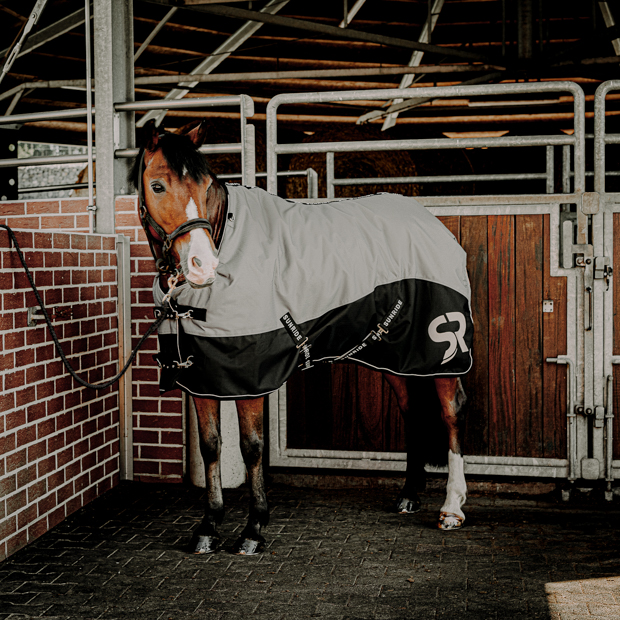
<point>182,157</point>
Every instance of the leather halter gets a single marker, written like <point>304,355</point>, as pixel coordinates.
<point>160,248</point>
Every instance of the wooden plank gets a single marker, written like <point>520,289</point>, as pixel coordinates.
<point>453,224</point>
<point>528,352</point>
<point>344,406</point>
<point>393,423</point>
<point>369,414</point>
<point>474,239</point>
<point>554,344</point>
<point>501,238</point>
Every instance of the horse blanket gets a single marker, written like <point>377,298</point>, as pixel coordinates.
<point>376,280</point>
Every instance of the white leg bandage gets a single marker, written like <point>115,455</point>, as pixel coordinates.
<point>456,489</point>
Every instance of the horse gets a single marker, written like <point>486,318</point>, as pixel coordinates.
<point>187,216</point>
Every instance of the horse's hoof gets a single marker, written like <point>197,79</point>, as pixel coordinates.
<point>405,505</point>
<point>248,546</point>
<point>450,521</point>
<point>207,544</point>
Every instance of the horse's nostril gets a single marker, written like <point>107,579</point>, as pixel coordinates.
<point>197,262</point>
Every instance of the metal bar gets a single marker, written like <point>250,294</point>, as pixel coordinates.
<point>351,14</point>
<point>199,102</point>
<point>313,183</point>
<point>311,73</point>
<point>205,149</point>
<point>51,32</point>
<point>566,171</point>
<point>334,31</point>
<point>443,179</point>
<point>600,139</point>
<point>124,351</point>
<point>42,116</point>
<point>51,188</point>
<point>262,175</point>
<point>14,102</point>
<point>154,32</point>
<point>609,22</point>
<point>329,171</point>
<point>91,208</point>
<point>416,57</point>
<point>30,24</point>
<point>571,429</point>
<point>42,161</point>
<point>550,170</point>
<point>421,144</point>
<point>217,57</point>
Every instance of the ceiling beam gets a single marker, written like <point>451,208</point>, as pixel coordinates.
<point>333,31</point>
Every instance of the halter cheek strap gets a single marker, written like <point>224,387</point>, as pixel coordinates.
<point>161,248</point>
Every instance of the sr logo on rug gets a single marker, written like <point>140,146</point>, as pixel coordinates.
<point>454,337</point>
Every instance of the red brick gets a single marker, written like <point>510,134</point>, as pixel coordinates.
<point>73,206</point>
<point>81,482</point>
<point>40,207</point>
<point>26,475</point>
<point>26,435</point>
<point>172,470</point>
<point>108,275</point>
<point>6,319</point>
<point>53,297</point>
<point>34,259</point>
<point>87,293</point>
<point>56,442</point>
<point>17,542</point>
<point>57,221</point>
<point>87,260</point>
<point>26,516</point>
<point>46,504</point>
<point>161,453</point>
<point>16,502</point>
<point>171,406</point>
<point>74,504</point>
<point>111,466</point>
<point>24,357</point>
<point>70,294</point>
<point>16,460</point>
<point>25,396</point>
<point>82,222</point>
<point>15,419</point>
<point>174,438</point>
<point>14,380</point>
<point>56,479</point>
<point>62,241</point>
<point>45,390</point>
<point>35,336</point>
<point>26,223</point>
<point>94,275</point>
<point>37,529</point>
<point>21,320</point>
<point>78,276</point>
<point>37,451</point>
<point>38,489</point>
<point>7,402</point>
<point>7,486</point>
<point>14,340</point>
<point>7,361</point>
<point>93,242</point>
<point>13,301</point>
<point>78,242</point>
<point>64,493</point>
<point>146,467</point>
<point>46,466</point>
<point>43,241</point>
<point>13,208</point>
<point>89,495</point>
<point>80,448</point>
<point>45,428</point>
<point>34,374</point>
<point>56,517</point>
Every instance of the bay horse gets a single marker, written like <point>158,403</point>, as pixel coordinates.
<point>185,212</point>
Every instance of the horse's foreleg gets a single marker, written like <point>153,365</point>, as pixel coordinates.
<point>452,398</point>
<point>415,481</point>
<point>250,414</point>
<point>208,412</point>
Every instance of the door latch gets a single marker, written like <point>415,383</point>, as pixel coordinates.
<point>602,269</point>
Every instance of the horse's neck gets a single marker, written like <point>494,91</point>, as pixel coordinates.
<point>217,209</point>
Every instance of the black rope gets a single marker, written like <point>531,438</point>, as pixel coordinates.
<point>94,386</point>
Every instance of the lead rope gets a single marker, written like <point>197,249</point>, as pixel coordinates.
<point>172,282</point>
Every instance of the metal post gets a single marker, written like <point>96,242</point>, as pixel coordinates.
<point>125,403</point>
<point>89,121</point>
<point>550,170</point>
<point>113,49</point>
<point>329,171</point>
<point>313,183</point>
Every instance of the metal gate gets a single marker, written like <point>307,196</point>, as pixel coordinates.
<point>540,268</point>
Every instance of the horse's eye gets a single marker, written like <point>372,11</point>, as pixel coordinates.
<point>158,188</point>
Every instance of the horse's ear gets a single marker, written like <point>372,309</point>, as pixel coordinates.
<point>148,136</point>
<point>198,135</point>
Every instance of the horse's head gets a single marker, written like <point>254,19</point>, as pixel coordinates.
<point>182,204</point>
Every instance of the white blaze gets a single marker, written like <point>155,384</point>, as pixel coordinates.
<point>201,260</point>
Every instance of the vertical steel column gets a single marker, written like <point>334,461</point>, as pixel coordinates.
<point>92,209</point>
<point>113,49</point>
<point>125,405</point>
<point>550,170</point>
<point>330,174</point>
<point>248,142</point>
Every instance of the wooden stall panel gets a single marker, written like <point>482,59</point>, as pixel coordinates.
<point>516,401</point>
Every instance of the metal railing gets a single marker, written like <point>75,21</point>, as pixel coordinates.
<point>577,140</point>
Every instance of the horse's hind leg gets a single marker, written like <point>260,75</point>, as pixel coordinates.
<point>415,481</point>
<point>206,538</point>
<point>250,413</point>
<point>452,398</point>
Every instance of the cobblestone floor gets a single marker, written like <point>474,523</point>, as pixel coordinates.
<point>331,555</point>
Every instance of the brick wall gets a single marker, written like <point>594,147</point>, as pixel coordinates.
<point>158,421</point>
<point>58,441</point>
<point>67,214</point>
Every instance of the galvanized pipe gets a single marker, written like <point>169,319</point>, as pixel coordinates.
<point>43,161</point>
<point>444,179</point>
<point>91,208</point>
<point>200,102</point>
<point>206,149</point>
<point>599,133</point>
<point>550,170</point>
<point>273,148</point>
<point>51,188</point>
<point>44,116</point>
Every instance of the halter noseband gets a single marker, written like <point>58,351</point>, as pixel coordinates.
<point>162,252</point>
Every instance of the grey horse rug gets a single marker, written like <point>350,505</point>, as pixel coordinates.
<point>376,280</point>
